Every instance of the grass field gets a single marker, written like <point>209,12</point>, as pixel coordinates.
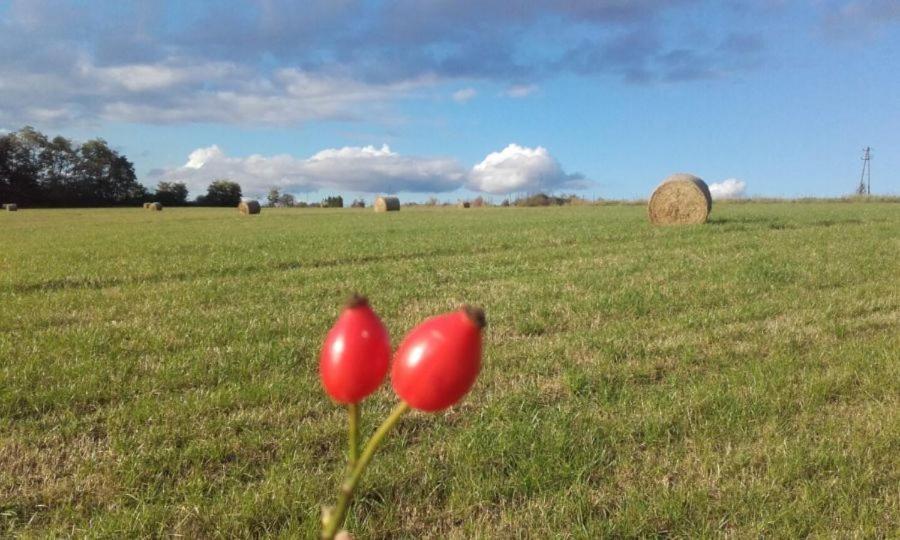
<point>158,372</point>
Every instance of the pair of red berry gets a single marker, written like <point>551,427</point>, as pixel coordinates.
<point>434,367</point>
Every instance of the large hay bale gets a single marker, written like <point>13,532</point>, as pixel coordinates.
<point>681,199</point>
<point>249,207</point>
<point>146,205</point>
<point>463,204</point>
<point>11,207</point>
<point>155,206</point>
<point>387,204</point>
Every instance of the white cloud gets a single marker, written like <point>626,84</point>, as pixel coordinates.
<point>100,59</point>
<point>143,77</point>
<point>518,168</point>
<point>373,170</point>
<point>200,156</point>
<point>370,169</point>
<point>520,90</point>
<point>731,188</point>
<point>184,90</point>
<point>464,95</point>
<point>357,169</point>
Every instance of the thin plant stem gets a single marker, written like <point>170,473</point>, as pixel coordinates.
<point>335,518</point>
<point>353,439</point>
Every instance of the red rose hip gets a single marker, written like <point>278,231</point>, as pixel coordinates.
<point>356,352</point>
<point>438,361</point>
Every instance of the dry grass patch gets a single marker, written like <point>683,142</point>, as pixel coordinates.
<point>55,473</point>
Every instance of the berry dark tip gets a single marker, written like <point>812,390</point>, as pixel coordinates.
<point>476,315</point>
<point>357,300</point>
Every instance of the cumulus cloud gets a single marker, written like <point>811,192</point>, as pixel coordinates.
<point>369,169</point>
<point>465,94</point>
<point>372,169</point>
<point>518,168</point>
<point>357,169</point>
<point>731,188</point>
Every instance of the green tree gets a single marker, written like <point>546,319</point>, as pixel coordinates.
<point>287,200</point>
<point>57,175</point>
<point>273,196</point>
<point>19,169</point>
<point>104,177</point>
<point>333,202</point>
<point>221,193</point>
<point>171,193</point>
<point>40,171</point>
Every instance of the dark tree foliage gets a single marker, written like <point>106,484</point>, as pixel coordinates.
<point>276,198</point>
<point>221,193</point>
<point>542,199</point>
<point>37,171</point>
<point>287,200</point>
<point>273,197</point>
<point>333,202</point>
<point>171,193</point>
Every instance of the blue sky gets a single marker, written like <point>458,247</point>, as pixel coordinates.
<point>457,98</point>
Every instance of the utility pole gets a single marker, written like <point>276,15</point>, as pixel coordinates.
<point>865,177</point>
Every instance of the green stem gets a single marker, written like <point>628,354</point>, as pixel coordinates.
<point>353,439</point>
<point>336,518</point>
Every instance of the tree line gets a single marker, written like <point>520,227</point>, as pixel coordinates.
<point>278,199</point>
<point>39,171</point>
<point>36,170</point>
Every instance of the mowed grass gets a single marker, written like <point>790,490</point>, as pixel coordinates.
<point>158,372</point>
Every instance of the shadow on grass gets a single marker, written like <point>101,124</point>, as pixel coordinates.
<point>834,222</point>
<point>778,225</point>
<point>737,220</point>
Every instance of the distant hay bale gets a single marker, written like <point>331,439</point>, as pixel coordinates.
<point>681,199</point>
<point>11,207</point>
<point>463,204</point>
<point>387,204</point>
<point>155,206</point>
<point>249,207</point>
<point>146,205</point>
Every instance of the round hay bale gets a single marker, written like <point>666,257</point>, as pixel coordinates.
<point>146,205</point>
<point>681,199</point>
<point>387,204</point>
<point>463,204</point>
<point>155,206</point>
<point>249,207</point>
<point>11,207</point>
